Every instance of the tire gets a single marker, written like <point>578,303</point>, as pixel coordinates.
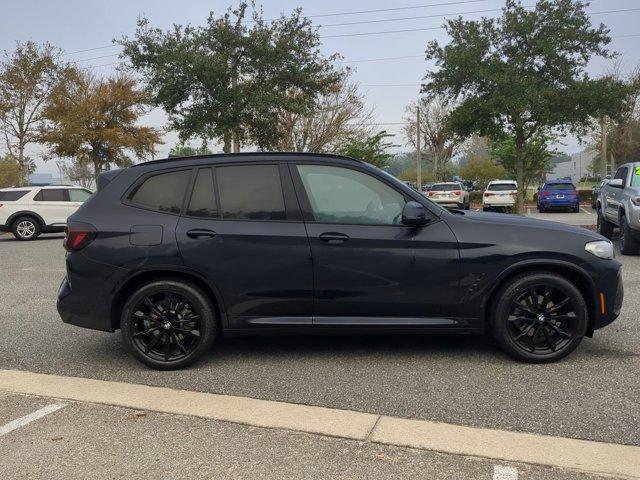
<point>467,205</point>
<point>525,336</point>
<point>175,303</point>
<point>26,228</point>
<point>628,244</point>
<point>576,209</point>
<point>603,226</point>
<point>486,209</point>
<point>540,209</point>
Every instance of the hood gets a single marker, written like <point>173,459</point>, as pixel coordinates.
<point>520,221</point>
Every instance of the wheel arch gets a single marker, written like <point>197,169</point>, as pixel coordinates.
<point>131,284</point>
<point>25,213</point>
<point>571,272</point>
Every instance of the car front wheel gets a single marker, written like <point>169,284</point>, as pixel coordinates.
<point>628,244</point>
<point>26,228</point>
<point>604,227</point>
<point>168,324</point>
<point>539,317</point>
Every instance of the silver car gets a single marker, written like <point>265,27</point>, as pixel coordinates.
<point>618,206</point>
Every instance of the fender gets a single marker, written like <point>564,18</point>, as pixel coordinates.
<point>29,213</point>
<point>174,269</point>
<point>528,264</point>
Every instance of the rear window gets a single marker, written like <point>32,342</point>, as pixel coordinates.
<point>560,186</point>
<point>445,187</point>
<point>251,192</point>
<point>501,187</point>
<point>163,192</point>
<point>12,195</point>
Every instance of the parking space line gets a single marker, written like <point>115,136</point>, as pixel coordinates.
<point>586,211</point>
<point>505,473</point>
<point>568,453</point>
<point>22,421</point>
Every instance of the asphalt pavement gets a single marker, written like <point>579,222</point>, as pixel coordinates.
<point>593,394</point>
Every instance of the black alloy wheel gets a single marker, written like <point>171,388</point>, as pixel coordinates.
<point>168,324</point>
<point>540,317</point>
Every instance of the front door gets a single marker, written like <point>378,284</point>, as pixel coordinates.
<point>369,268</point>
<point>243,231</point>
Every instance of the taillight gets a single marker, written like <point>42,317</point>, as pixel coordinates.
<point>487,194</point>
<point>431,194</point>
<point>545,194</point>
<point>573,192</point>
<point>456,192</point>
<point>78,235</point>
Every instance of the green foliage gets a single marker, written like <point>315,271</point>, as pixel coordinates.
<point>523,74</point>
<point>182,150</point>
<point>482,170</point>
<point>230,79</point>
<point>95,122</point>
<point>536,158</point>
<point>10,172</point>
<point>371,149</point>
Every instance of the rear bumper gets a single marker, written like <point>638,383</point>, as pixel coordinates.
<point>74,309</point>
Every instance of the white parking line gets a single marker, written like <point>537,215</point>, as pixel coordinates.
<point>505,473</point>
<point>586,211</point>
<point>22,421</point>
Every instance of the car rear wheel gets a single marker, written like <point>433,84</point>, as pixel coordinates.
<point>604,227</point>
<point>168,324</point>
<point>539,317</point>
<point>540,209</point>
<point>26,228</point>
<point>576,209</point>
<point>628,244</point>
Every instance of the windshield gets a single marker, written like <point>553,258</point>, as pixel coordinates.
<point>445,187</point>
<point>560,186</point>
<point>502,187</point>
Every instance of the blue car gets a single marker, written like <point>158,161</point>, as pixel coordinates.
<point>558,194</point>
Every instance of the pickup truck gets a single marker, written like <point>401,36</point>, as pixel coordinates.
<point>618,206</point>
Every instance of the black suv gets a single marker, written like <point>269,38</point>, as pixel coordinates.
<point>177,252</point>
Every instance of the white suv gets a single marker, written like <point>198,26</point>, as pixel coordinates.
<point>30,211</point>
<point>499,194</point>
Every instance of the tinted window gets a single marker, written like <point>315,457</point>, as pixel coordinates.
<point>635,179</point>
<point>12,195</point>
<point>203,199</point>
<point>53,195</point>
<point>77,195</point>
<point>446,187</point>
<point>163,192</point>
<point>622,174</point>
<point>560,186</point>
<point>501,187</point>
<point>252,192</point>
<point>342,195</point>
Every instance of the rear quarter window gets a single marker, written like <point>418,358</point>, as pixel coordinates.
<point>163,192</point>
<point>12,195</point>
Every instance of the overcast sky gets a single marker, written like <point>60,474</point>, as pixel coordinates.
<point>389,84</point>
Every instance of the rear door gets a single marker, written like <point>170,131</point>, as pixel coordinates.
<point>52,204</point>
<point>242,230</point>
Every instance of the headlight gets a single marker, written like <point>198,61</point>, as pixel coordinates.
<point>600,248</point>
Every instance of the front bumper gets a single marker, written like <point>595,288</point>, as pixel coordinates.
<point>609,293</point>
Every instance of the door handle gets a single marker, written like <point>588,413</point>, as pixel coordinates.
<point>334,237</point>
<point>197,233</point>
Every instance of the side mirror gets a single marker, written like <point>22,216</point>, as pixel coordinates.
<point>414,214</point>
<point>617,183</point>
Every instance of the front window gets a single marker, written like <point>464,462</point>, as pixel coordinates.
<point>343,195</point>
<point>635,178</point>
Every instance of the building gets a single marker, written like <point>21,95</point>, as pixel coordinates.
<point>577,168</point>
<point>44,179</point>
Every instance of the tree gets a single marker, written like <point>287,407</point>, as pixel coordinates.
<point>183,150</point>
<point>232,78</point>
<point>437,137</point>
<point>482,170</point>
<point>335,119</point>
<point>10,172</point>
<point>371,149</point>
<point>79,173</point>
<point>536,158</point>
<point>94,122</point>
<point>27,78</point>
<point>523,75</point>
